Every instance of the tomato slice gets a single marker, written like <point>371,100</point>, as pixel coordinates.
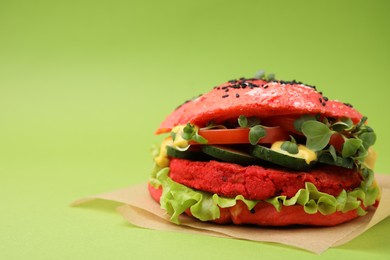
<point>285,122</point>
<point>241,135</point>
<point>337,141</point>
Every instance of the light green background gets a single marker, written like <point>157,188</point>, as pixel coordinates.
<point>84,84</point>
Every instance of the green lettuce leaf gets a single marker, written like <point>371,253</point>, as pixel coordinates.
<point>177,198</point>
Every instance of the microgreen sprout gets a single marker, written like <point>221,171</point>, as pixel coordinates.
<point>213,125</point>
<point>256,131</point>
<point>357,139</point>
<point>190,133</point>
<point>289,147</point>
<point>317,134</point>
<point>262,75</point>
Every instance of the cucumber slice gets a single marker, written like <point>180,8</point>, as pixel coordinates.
<point>188,154</point>
<point>228,154</point>
<point>280,159</point>
<point>340,161</point>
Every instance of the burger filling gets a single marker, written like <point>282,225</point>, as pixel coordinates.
<point>323,164</point>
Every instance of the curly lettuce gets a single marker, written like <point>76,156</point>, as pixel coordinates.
<point>177,198</point>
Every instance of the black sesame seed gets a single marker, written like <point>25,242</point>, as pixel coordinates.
<point>226,90</point>
<point>265,86</point>
<point>323,103</point>
<point>325,98</point>
<point>237,95</point>
<point>225,96</point>
<point>320,99</point>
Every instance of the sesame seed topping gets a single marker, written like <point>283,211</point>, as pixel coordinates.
<point>225,96</point>
<point>237,95</point>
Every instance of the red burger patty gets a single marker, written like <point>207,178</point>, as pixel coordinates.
<point>257,182</point>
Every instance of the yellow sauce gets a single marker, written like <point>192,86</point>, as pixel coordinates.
<point>162,159</point>
<point>370,160</point>
<point>179,141</point>
<point>303,152</point>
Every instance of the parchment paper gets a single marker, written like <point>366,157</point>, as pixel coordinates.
<point>141,210</point>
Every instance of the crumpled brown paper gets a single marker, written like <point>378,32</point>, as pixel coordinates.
<point>141,210</point>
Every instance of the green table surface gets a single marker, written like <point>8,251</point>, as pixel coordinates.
<point>84,84</point>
